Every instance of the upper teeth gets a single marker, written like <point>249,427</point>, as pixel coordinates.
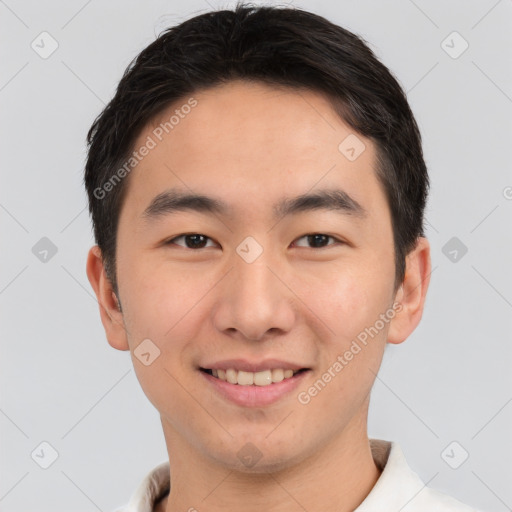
<point>263,378</point>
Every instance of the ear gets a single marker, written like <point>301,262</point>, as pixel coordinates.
<point>412,292</point>
<point>110,312</point>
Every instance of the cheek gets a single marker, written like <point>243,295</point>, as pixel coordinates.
<point>161,306</point>
<point>350,305</point>
<point>346,300</point>
<point>162,303</point>
<point>353,348</point>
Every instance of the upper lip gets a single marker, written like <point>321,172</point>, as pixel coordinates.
<point>252,366</point>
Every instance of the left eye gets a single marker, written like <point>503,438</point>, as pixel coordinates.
<point>198,241</point>
<point>318,240</point>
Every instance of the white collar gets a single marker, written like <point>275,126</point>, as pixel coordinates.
<point>398,489</point>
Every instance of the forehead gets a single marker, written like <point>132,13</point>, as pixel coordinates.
<point>252,143</point>
<point>243,119</point>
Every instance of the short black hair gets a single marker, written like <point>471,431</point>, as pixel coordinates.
<point>277,46</point>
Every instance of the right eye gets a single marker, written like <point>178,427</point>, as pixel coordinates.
<point>192,240</point>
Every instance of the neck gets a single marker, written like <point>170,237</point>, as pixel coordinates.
<point>338,476</point>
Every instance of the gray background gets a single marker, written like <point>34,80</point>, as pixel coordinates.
<point>60,380</point>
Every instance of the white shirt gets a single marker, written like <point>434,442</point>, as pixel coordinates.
<point>398,489</point>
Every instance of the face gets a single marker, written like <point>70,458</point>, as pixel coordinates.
<point>249,278</point>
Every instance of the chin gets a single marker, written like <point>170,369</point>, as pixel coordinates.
<point>259,456</point>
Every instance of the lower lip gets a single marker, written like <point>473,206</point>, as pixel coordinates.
<point>255,396</point>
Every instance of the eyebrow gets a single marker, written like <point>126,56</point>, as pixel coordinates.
<point>174,200</point>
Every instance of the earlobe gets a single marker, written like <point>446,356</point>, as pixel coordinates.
<point>110,308</point>
<point>412,292</point>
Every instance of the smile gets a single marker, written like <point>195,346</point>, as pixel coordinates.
<point>254,389</point>
<point>243,378</point>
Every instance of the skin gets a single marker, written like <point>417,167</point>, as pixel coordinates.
<point>251,145</point>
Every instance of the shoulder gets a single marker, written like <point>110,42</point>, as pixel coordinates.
<point>400,488</point>
<point>431,499</point>
<point>153,486</point>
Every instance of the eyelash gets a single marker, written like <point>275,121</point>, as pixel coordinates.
<point>172,240</point>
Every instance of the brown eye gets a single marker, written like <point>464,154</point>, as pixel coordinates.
<point>192,241</point>
<point>317,240</point>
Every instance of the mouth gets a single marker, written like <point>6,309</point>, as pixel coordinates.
<point>262,378</point>
<point>254,389</point>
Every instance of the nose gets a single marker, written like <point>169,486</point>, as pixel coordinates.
<point>254,302</point>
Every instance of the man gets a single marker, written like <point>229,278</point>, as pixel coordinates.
<point>257,189</point>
